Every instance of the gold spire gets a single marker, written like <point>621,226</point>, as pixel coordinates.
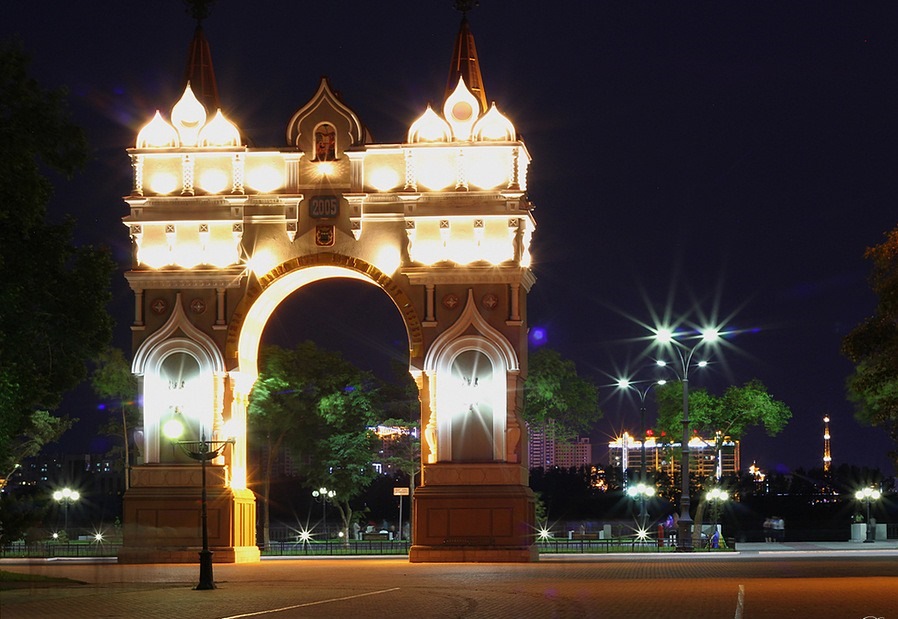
<point>465,64</point>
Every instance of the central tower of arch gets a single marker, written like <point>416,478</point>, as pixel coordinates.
<point>222,233</point>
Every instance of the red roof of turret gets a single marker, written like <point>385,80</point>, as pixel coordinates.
<point>466,64</point>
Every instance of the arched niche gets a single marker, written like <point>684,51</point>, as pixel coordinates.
<point>471,384</point>
<point>178,369</point>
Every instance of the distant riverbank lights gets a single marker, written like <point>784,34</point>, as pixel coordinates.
<point>202,156</point>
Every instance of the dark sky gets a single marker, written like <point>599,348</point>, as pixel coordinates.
<point>723,160</point>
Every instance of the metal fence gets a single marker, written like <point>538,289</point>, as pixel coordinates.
<point>329,548</point>
<point>44,550</point>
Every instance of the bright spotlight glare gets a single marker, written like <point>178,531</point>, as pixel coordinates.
<point>702,364</point>
<point>642,534</point>
<point>544,533</point>
<point>623,383</point>
<point>664,335</point>
<point>710,334</point>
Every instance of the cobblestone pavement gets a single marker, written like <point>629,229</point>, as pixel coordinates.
<point>759,582</point>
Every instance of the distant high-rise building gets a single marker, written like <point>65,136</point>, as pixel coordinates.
<point>547,452</point>
<point>827,454</point>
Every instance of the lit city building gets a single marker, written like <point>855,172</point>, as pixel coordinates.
<point>626,452</point>
<point>547,452</point>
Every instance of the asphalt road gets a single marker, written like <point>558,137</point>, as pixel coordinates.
<point>843,585</point>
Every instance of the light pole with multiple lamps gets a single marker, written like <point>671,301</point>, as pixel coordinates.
<point>626,383</point>
<point>324,495</point>
<point>716,497</point>
<point>641,491</point>
<point>664,337</point>
<point>66,496</point>
<point>868,495</point>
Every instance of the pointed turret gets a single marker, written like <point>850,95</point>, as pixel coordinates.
<point>199,73</point>
<point>465,64</point>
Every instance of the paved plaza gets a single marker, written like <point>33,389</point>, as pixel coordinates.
<point>557,586</point>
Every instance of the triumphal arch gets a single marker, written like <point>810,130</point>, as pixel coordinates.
<point>223,232</point>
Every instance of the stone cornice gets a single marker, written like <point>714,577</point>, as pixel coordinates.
<point>232,277</point>
<point>470,274</point>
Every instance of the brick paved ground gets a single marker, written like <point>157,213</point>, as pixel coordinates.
<point>581,587</point>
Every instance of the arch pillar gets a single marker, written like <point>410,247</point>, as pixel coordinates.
<point>474,503</point>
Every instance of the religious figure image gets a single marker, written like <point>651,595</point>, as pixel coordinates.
<point>325,143</point>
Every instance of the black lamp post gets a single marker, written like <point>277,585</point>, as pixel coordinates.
<point>324,495</point>
<point>66,496</point>
<point>204,451</point>
<point>867,495</point>
<point>716,497</point>
<point>684,354</point>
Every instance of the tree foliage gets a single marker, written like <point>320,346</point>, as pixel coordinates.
<point>730,414</point>
<point>873,346</point>
<point>53,316</point>
<point>554,392</point>
<point>113,381</point>
<point>320,407</point>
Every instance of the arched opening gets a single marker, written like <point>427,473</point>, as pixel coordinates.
<point>274,287</point>
<point>351,311</point>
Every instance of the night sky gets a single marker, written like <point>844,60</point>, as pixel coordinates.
<point>725,161</point>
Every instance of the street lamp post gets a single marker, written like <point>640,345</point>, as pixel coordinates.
<point>716,497</point>
<point>626,383</point>
<point>642,492</point>
<point>66,496</point>
<point>685,354</point>
<point>867,495</point>
<point>204,451</point>
<point>323,495</point>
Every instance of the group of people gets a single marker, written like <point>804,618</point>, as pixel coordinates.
<point>774,529</point>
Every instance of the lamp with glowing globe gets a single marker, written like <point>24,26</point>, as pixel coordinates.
<point>203,451</point>
<point>323,495</point>
<point>716,497</point>
<point>868,495</point>
<point>67,497</point>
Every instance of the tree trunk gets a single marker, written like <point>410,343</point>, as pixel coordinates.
<point>345,516</point>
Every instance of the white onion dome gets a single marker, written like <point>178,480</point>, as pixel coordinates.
<point>188,116</point>
<point>430,128</point>
<point>157,134</point>
<point>494,126</point>
<point>219,132</point>
<point>461,110</point>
